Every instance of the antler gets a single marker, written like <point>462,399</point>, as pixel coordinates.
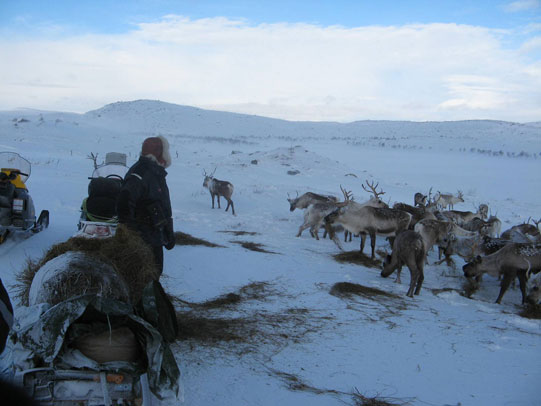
<point>537,222</point>
<point>347,197</point>
<point>373,189</point>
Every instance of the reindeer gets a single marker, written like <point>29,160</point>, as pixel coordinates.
<point>443,199</point>
<point>461,217</point>
<point>417,213</point>
<point>219,188</point>
<point>533,289</point>
<point>308,198</point>
<point>524,233</point>
<point>408,249</point>
<point>316,212</point>
<point>419,200</point>
<point>513,260</point>
<point>470,247</point>
<point>366,220</point>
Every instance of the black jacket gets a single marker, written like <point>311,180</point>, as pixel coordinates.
<point>6,316</point>
<point>144,204</point>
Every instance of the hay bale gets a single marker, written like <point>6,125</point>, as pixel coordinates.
<point>130,256</point>
<point>73,274</point>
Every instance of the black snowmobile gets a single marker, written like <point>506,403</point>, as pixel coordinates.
<point>17,211</point>
<point>98,211</point>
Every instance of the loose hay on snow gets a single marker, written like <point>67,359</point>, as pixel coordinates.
<point>239,233</point>
<point>222,323</point>
<point>131,257</point>
<point>531,312</point>
<point>341,289</point>
<point>253,246</point>
<point>187,239</point>
<point>356,257</point>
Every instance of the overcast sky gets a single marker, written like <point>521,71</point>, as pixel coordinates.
<point>298,60</point>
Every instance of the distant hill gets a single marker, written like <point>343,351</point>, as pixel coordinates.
<point>150,117</point>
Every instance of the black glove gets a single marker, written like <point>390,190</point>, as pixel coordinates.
<point>169,235</point>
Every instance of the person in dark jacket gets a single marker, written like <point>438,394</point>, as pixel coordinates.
<point>143,203</point>
<point>6,316</point>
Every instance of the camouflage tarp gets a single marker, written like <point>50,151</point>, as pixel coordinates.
<point>39,336</point>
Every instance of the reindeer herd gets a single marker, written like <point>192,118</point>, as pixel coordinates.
<point>414,230</point>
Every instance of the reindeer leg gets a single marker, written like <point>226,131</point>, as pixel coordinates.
<point>363,240</point>
<point>398,271</point>
<point>420,280</point>
<point>232,208</point>
<point>218,198</point>
<point>413,281</point>
<point>522,279</point>
<point>212,196</point>
<point>373,242</point>
<point>507,278</point>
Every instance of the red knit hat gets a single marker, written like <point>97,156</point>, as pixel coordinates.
<point>153,146</point>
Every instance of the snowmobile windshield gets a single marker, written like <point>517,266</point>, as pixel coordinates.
<point>12,161</point>
<point>110,170</point>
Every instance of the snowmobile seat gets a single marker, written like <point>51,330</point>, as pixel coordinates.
<point>7,192</point>
<point>101,202</point>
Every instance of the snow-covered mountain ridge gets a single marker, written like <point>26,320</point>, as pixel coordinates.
<point>156,117</point>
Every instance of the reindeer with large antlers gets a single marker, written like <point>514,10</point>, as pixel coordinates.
<point>366,220</point>
<point>219,188</point>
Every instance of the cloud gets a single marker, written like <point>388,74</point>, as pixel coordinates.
<point>291,71</point>
<point>522,5</point>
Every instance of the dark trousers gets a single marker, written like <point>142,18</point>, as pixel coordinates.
<point>157,250</point>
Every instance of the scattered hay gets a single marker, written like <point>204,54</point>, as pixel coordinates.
<point>239,233</point>
<point>294,383</point>
<point>131,257</point>
<point>186,239</point>
<point>361,400</point>
<point>356,257</point>
<point>253,291</point>
<point>253,246</point>
<point>531,312</point>
<point>220,323</point>
<point>436,292</point>
<point>347,289</point>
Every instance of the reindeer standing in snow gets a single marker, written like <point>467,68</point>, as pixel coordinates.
<point>219,188</point>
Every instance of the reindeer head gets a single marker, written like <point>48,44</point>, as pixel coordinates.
<point>472,268</point>
<point>208,177</point>
<point>483,211</point>
<point>292,202</point>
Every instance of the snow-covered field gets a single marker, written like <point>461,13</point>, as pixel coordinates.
<point>304,345</point>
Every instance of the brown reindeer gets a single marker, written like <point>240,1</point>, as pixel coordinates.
<point>366,220</point>
<point>513,260</point>
<point>219,188</point>
<point>408,249</point>
<point>308,198</point>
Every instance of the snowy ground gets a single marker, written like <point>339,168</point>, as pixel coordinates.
<point>304,345</point>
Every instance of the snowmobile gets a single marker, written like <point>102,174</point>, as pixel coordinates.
<point>17,211</point>
<point>98,210</point>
